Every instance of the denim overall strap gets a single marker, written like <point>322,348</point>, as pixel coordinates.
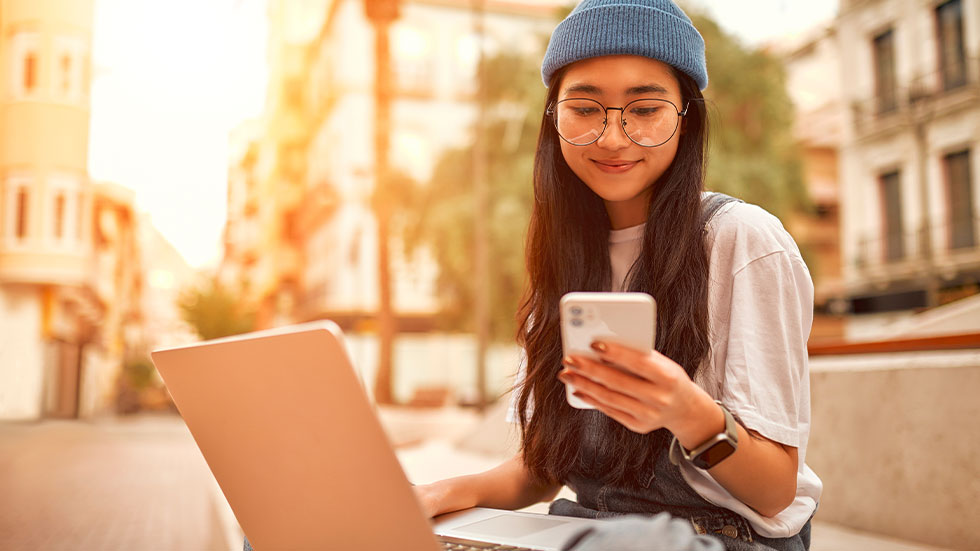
<point>664,490</point>
<point>711,203</point>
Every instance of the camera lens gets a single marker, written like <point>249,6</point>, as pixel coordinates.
<point>577,322</point>
<point>576,310</point>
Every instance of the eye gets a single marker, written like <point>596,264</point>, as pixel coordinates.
<point>580,108</point>
<point>644,111</point>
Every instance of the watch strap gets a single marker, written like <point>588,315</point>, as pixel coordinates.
<point>677,452</point>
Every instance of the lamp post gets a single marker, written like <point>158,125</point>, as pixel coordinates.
<point>481,264</point>
<point>381,13</point>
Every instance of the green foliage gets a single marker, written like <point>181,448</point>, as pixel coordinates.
<point>752,156</point>
<point>445,205</point>
<point>140,373</point>
<point>214,311</point>
<point>752,152</point>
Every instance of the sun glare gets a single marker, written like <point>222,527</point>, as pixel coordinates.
<point>171,81</point>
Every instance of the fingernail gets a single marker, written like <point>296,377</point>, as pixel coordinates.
<point>568,360</point>
<point>600,346</point>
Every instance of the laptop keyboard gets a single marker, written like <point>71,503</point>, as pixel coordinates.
<point>458,544</point>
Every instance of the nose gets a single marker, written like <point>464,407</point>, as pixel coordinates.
<point>614,135</point>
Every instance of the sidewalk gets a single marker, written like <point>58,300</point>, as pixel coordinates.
<point>140,483</point>
<point>125,484</point>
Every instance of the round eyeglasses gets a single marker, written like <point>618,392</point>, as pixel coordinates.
<point>646,122</point>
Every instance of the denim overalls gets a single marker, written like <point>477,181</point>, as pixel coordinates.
<point>664,490</point>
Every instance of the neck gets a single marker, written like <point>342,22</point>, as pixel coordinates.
<point>626,214</point>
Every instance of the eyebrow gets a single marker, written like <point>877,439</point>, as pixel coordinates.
<point>646,89</point>
<point>632,91</point>
<point>585,89</point>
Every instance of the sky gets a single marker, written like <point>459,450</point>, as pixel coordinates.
<point>759,21</point>
<point>172,79</point>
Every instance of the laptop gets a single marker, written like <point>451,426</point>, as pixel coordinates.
<point>293,441</point>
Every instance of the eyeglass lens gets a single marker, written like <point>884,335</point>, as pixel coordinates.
<point>648,122</point>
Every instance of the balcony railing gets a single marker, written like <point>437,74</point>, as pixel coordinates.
<point>958,238</point>
<point>916,100</point>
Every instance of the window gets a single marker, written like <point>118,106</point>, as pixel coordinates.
<point>25,76</point>
<point>68,70</point>
<point>80,205</point>
<point>65,74</point>
<point>16,216</point>
<point>61,213</point>
<point>952,56</point>
<point>30,73</point>
<point>891,200</point>
<point>884,61</point>
<point>22,211</point>
<point>960,197</point>
<point>59,216</point>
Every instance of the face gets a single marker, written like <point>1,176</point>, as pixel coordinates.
<point>620,171</point>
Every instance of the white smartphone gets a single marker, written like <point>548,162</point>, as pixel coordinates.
<point>625,318</point>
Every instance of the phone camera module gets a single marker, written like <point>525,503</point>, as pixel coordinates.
<point>577,322</point>
<point>576,310</point>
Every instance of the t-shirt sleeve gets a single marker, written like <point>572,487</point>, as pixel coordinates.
<point>766,369</point>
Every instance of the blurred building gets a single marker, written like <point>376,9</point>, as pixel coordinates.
<point>910,155</point>
<point>115,277</point>
<point>301,238</point>
<point>813,82</point>
<point>69,285</point>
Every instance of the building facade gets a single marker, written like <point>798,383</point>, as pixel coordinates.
<point>302,231</point>
<point>68,286</point>
<point>910,160</point>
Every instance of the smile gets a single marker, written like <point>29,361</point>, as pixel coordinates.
<point>615,166</point>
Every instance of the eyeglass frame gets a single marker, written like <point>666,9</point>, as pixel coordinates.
<point>550,111</point>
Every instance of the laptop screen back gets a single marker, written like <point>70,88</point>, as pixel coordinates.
<point>289,434</point>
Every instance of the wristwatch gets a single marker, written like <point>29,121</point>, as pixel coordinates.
<point>711,452</point>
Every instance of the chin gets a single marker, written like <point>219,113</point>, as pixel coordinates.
<point>616,193</point>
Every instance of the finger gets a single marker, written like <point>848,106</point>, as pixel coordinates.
<point>605,395</point>
<point>610,377</point>
<point>622,417</point>
<point>648,364</point>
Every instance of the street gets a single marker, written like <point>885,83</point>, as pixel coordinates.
<point>121,484</point>
<point>139,482</point>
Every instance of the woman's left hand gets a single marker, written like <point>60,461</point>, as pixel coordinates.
<point>643,391</point>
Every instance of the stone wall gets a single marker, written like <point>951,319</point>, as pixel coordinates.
<point>895,440</point>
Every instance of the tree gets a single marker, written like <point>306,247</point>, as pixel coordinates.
<point>445,206</point>
<point>752,155</point>
<point>214,312</point>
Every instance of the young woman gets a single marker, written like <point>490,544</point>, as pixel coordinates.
<point>711,427</point>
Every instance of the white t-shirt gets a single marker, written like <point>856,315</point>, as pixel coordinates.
<point>760,308</point>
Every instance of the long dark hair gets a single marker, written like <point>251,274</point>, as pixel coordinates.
<point>568,250</point>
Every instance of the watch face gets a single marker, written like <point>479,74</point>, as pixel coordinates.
<point>713,455</point>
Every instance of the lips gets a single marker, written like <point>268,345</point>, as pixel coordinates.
<point>614,165</point>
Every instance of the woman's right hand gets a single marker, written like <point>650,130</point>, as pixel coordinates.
<point>506,486</point>
<point>435,498</point>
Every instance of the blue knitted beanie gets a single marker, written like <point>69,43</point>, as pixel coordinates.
<point>656,29</point>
